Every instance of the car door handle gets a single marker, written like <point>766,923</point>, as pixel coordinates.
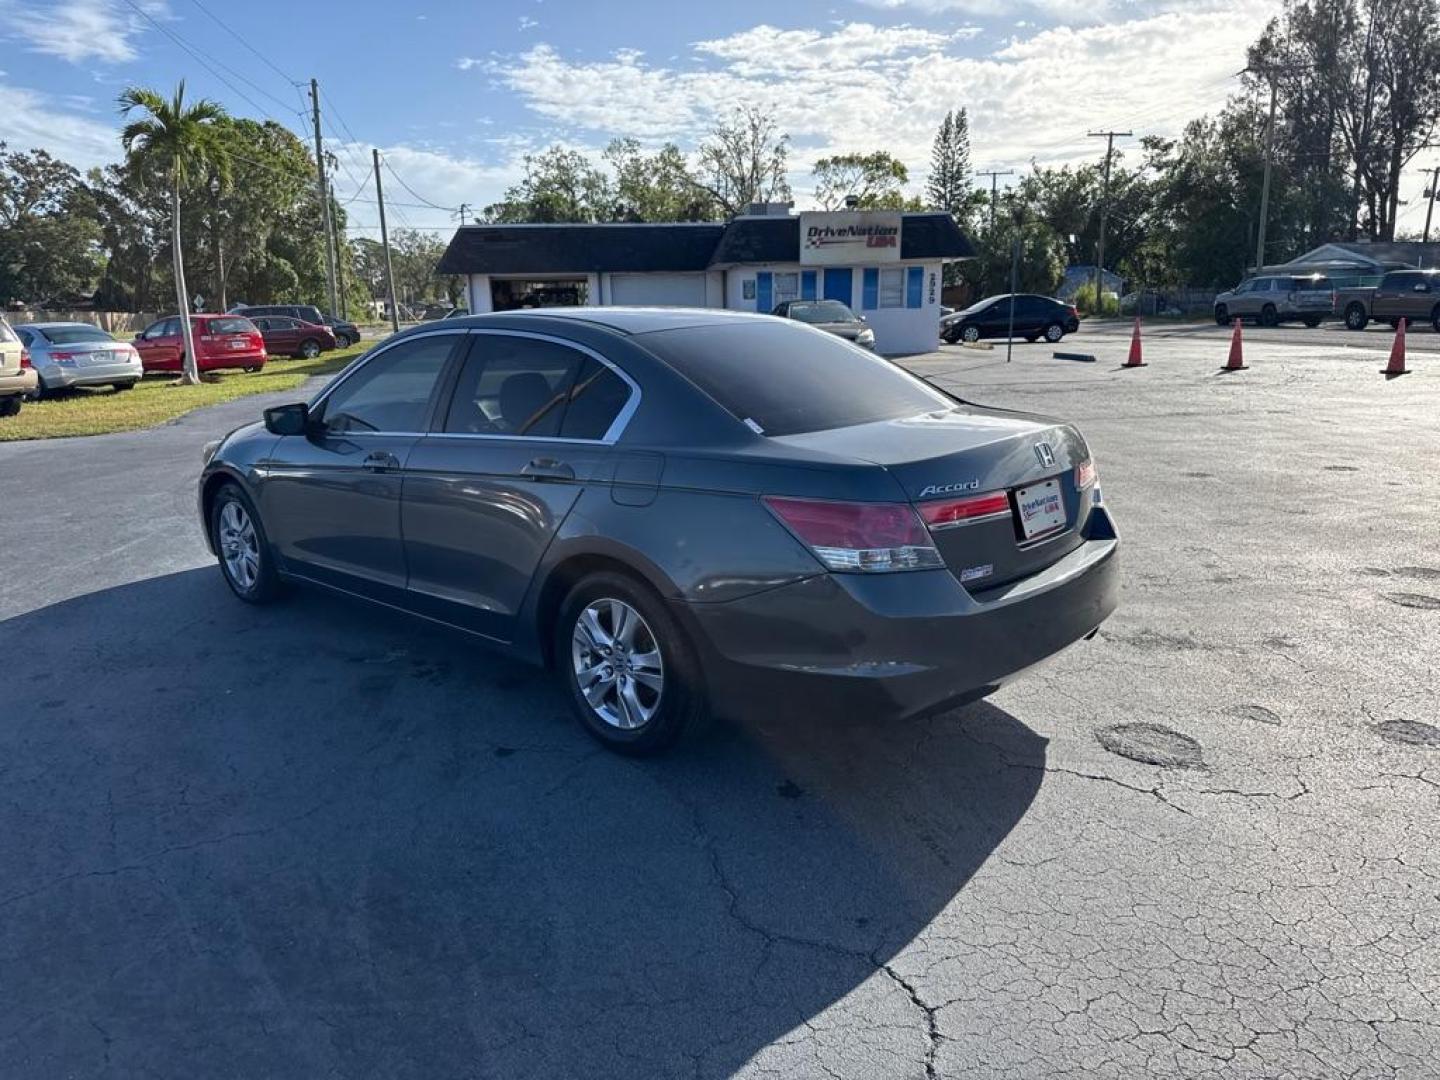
<point>380,461</point>
<point>548,469</point>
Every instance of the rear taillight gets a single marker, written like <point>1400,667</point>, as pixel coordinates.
<point>1084,474</point>
<point>62,357</point>
<point>25,358</point>
<point>868,537</point>
<point>944,513</point>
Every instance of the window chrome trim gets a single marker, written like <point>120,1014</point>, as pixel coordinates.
<point>617,426</point>
<point>364,360</point>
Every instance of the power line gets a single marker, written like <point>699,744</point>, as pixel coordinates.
<point>215,64</point>
<point>235,34</point>
<point>412,191</point>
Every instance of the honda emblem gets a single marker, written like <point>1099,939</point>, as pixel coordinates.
<point>1045,454</point>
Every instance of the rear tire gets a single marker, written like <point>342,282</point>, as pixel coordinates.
<point>1312,321</point>
<point>10,406</point>
<point>243,550</point>
<point>1269,316</point>
<point>1356,317</point>
<point>642,685</point>
<point>1054,332</point>
<point>1435,319</point>
<point>309,349</point>
<point>120,386</point>
<point>39,393</point>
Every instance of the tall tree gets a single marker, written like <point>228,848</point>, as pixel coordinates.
<point>875,181</point>
<point>49,236</point>
<point>179,140</point>
<point>654,187</point>
<point>559,185</point>
<point>743,160</point>
<point>949,186</point>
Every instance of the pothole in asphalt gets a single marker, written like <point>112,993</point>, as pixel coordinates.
<point>1409,733</point>
<point>1255,713</point>
<point>1414,600</point>
<point>1151,744</point>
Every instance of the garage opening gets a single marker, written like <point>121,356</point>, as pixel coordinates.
<point>511,294</point>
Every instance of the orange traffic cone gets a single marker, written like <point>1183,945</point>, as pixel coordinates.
<point>1237,356</point>
<point>1134,359</point>
<point>1397,354</point>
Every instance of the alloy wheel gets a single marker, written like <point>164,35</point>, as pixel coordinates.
<point>309,350</point>
<point>1054,332</point>
<point>617,664</point>
<point>239,546</point>
<point>971,333</point>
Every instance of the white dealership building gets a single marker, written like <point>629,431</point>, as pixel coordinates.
<point>886,265</point>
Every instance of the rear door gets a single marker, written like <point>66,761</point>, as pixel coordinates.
<point>331,499</point>
<point>1389,294</point>
<point>529,424</point>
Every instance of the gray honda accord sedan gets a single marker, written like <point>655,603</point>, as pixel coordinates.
<point>680,511</point>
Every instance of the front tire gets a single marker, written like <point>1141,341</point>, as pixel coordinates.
<point>628,665</point>
<point>243,550</point>
<point>1222,315</point>
<point>970,334</point>
<point>1356,317</point>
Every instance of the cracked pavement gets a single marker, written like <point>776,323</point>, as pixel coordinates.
<point>320,840</point>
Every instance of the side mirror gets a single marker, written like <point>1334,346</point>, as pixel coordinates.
<point>140,336</point>
<point>288,419</point>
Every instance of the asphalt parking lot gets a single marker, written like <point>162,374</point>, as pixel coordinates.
<point>320,840</point>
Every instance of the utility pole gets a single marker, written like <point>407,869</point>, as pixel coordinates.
<point>464,209</point>
<point>385,243</point>
<point>344,311</point>
<point>324,197</point>
<point>1430,209</point>
<point>1265,184</point>
<point>1109,137</point>
<point>994,175</point>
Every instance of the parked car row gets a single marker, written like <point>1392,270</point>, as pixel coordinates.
<point>40,359</point>
<point>1272,299</point>
<point>346,333</point>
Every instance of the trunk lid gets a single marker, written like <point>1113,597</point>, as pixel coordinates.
<point>943,457</point>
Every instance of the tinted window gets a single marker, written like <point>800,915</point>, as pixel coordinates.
<point>595,401</point>
<point>231,324</point>
<point>6,334</point>
<point>74,335</point>
<point>821,311</point>
<point>391,391</point>
<point>513,386</point>
<point>1310,284</point>
<point>789,380</point>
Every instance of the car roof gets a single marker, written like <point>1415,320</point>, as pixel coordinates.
<point>626,320</point>
<point>58,325</point>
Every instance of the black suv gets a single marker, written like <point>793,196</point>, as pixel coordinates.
<point>346,333</point>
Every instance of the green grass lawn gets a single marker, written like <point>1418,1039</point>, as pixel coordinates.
<point>158,398</point>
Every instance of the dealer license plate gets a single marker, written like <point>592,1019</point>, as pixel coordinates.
<point>1042,509</point>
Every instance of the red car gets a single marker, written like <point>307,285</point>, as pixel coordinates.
<point>221,341</point>
<point>294,337</point>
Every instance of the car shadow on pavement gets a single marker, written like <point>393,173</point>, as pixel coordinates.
<point>319,839</point>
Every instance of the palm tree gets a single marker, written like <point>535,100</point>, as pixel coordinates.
<point>175,140</point>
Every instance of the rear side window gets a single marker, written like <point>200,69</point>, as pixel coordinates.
<point>1310,284</point>
<point>596,399</point>
<point>231,324</point>
<point>784,379</point>
<point>6,334</point>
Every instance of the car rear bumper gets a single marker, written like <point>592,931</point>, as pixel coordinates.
<point>893,645</point>
<point>216,361</point>
<point>23,383</point>
<point>61,376</point>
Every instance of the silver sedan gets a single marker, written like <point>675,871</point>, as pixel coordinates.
<point>71,354</point>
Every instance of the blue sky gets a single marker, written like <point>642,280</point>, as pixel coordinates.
<point>456,93</point>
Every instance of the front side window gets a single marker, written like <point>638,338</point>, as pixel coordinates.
<point>391,391</point>
<point>892,287</point>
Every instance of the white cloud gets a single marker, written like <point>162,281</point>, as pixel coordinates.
<point>34,121</point>
<point>859,86</point>
<point>527,23</point>
<point>465,63</point>
<point>80,30</point>
<point>1069,11</point>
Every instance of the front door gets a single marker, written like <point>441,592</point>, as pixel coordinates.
<point>840,285</point>
<point>528,427</point>
<point>331,499</point>
<point>160,346</point>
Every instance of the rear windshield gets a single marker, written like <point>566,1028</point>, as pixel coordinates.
<point>786,380</point>
<point>231,324</point>
<point>6,334</point>
<point>73,335</point>
<point>1310,284</point>
<point>822,311</point>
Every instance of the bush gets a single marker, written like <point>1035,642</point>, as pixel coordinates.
<point>1085,301</point>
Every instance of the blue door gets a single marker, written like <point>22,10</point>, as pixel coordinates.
<point>840,285</point>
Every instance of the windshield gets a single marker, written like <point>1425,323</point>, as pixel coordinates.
<point>781,380</point>
<point>822,311</point>
<point>74,335</point>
